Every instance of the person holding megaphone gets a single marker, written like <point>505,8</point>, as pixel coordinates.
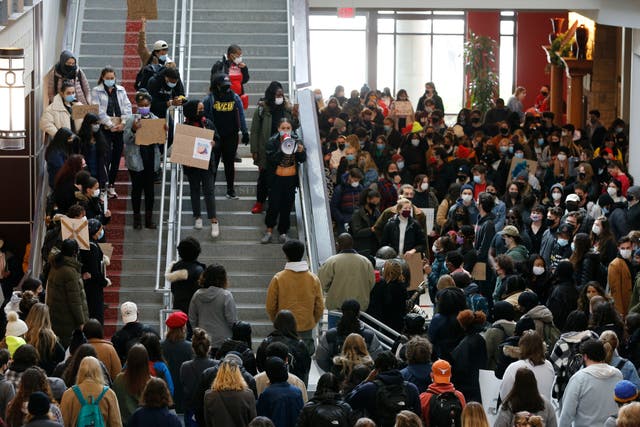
<point>284,152</point>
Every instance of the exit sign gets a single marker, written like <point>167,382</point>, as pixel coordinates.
<point>346,12</point>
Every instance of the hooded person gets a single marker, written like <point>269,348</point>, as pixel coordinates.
<point>502,328</point>
<point>280,401</point>
<point>66,69</point>
<point>541,316</point>
<point>564,295</point>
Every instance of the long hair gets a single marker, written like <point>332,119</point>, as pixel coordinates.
<point>524,395</point>
<point>392,271</point>
<point>70,373</point>
<point>408,419</point>
<point>285,322</point>
<point>532,347</point>
<point>604,313</point>
<point>214,275</point>
<point>156,394</point>
<point>229,378</point>
<point>354,352</point>
<point>40,335</point>
<point>69,169</point>
<point>200,342</point>
<point>59,142</point>
<point>610,341</point>
<point>90,369</point>
<point>583,300</point>
<point>582,244</point>
<point>473,415</point>
<point>33,379</point>
<point>136,374</point>
<point>151,342</point>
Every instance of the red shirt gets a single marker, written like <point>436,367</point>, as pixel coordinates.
<point>425,398</point>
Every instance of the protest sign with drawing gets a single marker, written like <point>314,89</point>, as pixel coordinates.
<point>192,146</point>
<point>76,229</point>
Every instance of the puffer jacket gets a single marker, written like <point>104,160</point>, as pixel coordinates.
<point>214,310</point>
<point>101,97</point>
<point>56,116</point>
<point>328,406</point>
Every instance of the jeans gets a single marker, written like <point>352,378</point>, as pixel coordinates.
<point>200,178</point>
<point>281,198</point>
<point>226,149</point>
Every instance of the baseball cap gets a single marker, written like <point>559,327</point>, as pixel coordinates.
<point>572,198</point>
<point>129,312</point>
<point>625,391</point>
<point>160,45</point>
<point>441,370</point>
<point>176,319</point>
<point>510,230</point>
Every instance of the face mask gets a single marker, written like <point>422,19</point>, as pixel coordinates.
<point>101,235</point>
<point>504,149</point>
<point>459,217</point>
<point>424,186</point>
<point>510,149</point>
<point>405,214</point>
<point>283,133</point>
<point>362,143</point>
<point>144,110</point>
<point>69,98</point>
<point>612,192</point>
<point>504,131</point>
<point>605,211</point>
<point>318,97</point>
<point>625,253</point>
<point>109,83</point>
<point>595,230</point>
<point>466,198</point>
<point>556,195</point>
<point>519,155</point>
<point>565,133</point>
<point>238,60</point>
<point>563,242</point>
<point>400,165</point>
<point>172,85</point>
<point>341,146</point>
<point>372,206</point>
<point>513,195</point>
<point>538,271</point>
<point>582,176</point>
<point>619,130</point>
<point>279,101</point>
<point>355,184</point>
<point>477,179</point>
<point>380,147</point>
<point>540,141</point>
<point>459,240</point>
<point>96,193</point>
<point>95,128</point>
<point>350,157</point>
<point>387,128</point>
<point>562,157</point>
<point>415,142</point>
<point>535,217</point>
<point>434,249</point>
<point>573,247</point>
<point>393,174</point>
<point>163,58</point>
<point>593,121</point>
<point>475,119</point>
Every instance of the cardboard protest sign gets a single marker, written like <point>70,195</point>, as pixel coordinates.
<point>479,271</point>
<point>415,267</point>
<point>403,108</point>
<point>78,111</point>
<point>138,9</point>
<point>518,165</point>
<point>107,249</point>
<point>151,132</point>
<point>76,229</point>
<point>116,120</point>
<point>192,146</point>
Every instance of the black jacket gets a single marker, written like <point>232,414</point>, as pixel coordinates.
<point>562,301</point>
<point>414,237</point>
<point>222,66</point>
<point>126,337</point>
<point>161,94</point>
<point>183,290</point>
<point>300,362</point>
<point>484,235</point>
<point>388,303</point>
<point>468,358</point>
<point>365,240</point>
<point>329,407</point>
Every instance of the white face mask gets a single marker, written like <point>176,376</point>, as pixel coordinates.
<point>400,165</point>
<point>434,249</point>
<point>562,157</point>
<point>556,196</point>
<point>279,101</point>
<point>95,128</point>
<point>238,60</point>
<point>595,229</point>
<point>424,186</point>
<point>625,253</point>
<point>355,184</point>
<point>415,142</point>
<point>538,271</point>
<point>96,193</point>
<point>612,192</point>
<point>467,198</point>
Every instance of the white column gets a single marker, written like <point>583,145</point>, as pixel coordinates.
<point>634,109</point>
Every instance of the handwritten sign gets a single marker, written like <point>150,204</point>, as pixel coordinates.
<point>403,108</point>
<point>78,111</point>
<point>151,132</point>
<point>138,9</point>
<point>76,229</point>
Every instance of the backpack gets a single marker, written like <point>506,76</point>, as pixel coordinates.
<point>445,410</point>
<point>145,74</point>
<point>329,415</point>
<point>390,400</point>
<point>573,365</point>
<point>550,335</point>
<point>89,415</point>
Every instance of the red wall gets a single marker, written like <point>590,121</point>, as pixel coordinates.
<point>532,32</point>
<point>484,23</point>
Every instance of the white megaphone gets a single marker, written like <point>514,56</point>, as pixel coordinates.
<point>288,144</point>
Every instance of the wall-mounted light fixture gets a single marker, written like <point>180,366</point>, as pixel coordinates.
<point>12,101</point>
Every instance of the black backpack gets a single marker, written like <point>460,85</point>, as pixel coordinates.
<point>329,415</point>
<point>390,400</point>
<point>445,410</point>
<point>145,74</point>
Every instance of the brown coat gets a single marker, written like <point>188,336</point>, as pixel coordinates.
<point>620,285</point>
<point>301,293</point>
<point>70,405</point>
<point>107,354</point>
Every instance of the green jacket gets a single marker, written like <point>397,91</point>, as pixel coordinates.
<point>66,298</point>
<point>261,131</point>
<point>518,254</point>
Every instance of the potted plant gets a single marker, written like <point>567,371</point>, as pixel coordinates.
<point>480,63</point>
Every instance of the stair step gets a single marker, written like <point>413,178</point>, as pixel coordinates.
<point>197,37</point>
<point>200,16</point>
<point>229,5</point>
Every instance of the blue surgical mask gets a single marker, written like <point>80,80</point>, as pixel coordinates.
<point>109,83</point>
<point>163,58</point>
<point>540,141</point>
<point>519,155</point>
<point>350,157</point>
<point>573,247</point>
<point>172,85</point>
<point>477,179</point>
<point>400,165</point>
<point>387,128</point>
<point>504,149</point>
<point>69,98</point>
<point>380,147</point>
<point>511,149</point>
<point>563,242</point>
<point>101,235</point>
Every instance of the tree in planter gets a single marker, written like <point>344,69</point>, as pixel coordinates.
<point>480,62</point>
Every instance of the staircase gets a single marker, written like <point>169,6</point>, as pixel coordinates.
<point>260,28</point>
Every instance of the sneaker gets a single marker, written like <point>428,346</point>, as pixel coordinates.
<point>237,159</point>
<point>215,230</point>
<point>198,224</point>
<point>282,238</point>
<point>257,208</point>
<point>232,195</point>
<point>111,192</point>
<point>266,238</point>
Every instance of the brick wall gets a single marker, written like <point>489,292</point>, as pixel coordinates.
<point>604,93</point>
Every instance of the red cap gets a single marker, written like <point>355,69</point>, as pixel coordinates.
<point>176,320</point>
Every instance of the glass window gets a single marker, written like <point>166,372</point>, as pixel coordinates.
<point>507,27</point>
<point>447,70</point>
<point>419,26</point>
<point>386,25</point>
<point>413,64</point>
<point>448,26</point>
<point>386,54</point>
<point>448,12</point>
<point>506,66</point>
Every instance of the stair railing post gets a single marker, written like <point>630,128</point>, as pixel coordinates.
<point>175,29</point>
<point>189,46</point>
<point>183,38</point>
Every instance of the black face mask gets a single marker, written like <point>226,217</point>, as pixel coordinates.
<point>341,146</point>
<point>513,195</point>
<point>504,131</point>
<point>69,70</point>
<point>582,175</point>
<point>475,119</point>
<point>372,206</point>
<point>393,174</point>
<point>572,206</point>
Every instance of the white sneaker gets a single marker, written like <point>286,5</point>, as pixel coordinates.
<point>266,238</point>
<point>198,224</point>
<point>111,192</point>
<point>282,238</point>
<point>215,230</point>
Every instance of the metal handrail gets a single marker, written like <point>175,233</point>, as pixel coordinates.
<point>386,339</point>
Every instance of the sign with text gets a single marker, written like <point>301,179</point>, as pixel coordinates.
<point>346,12</point>
<point>152,132</point>
<point>138,9</point>
<point>192,146</point>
